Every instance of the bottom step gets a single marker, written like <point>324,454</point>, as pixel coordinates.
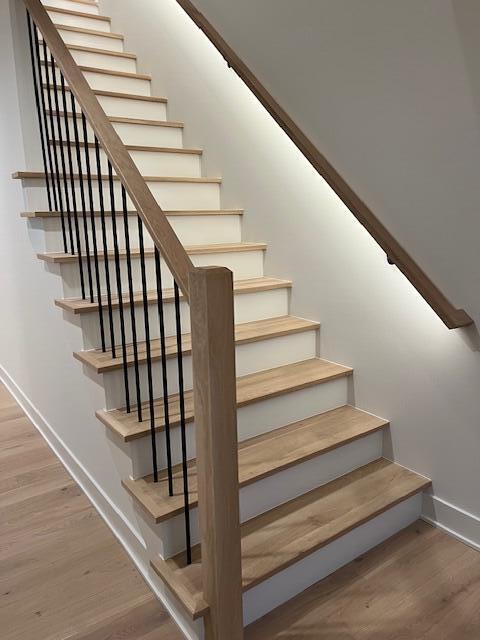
<point>409,586</point>
<point>276,540</point>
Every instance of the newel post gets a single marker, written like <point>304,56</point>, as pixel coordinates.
<point>213,351</point>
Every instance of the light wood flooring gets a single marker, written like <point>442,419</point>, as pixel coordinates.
<point>62,572</point>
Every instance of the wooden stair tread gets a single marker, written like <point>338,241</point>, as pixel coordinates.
<point>91,3</point>
<point>291,532</point>
<point>80,14</point>
<point>91,32</point>
<point>251,388</point>
<point>137,147</point>
<point>128,96</point>
<point>178,212</point>
<point>246,332</point>
<point>251,285</point>
<point>103,52</point>
<point>261,456</point>
<point>198,249</point>
<point>111,72</point>
<point>40,175</point>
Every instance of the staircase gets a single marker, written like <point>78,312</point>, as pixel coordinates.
<point>314,490</point>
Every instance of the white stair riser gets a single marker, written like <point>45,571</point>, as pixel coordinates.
<point>289,583</point>
<point>248,307</point>
<point>82,22</point>
<point>255,419</point>
<point>243,264</point>
<point>89,40</point>
<point>281,487</point>
<point>191,230</point>
<point>146,134</point>
<point>250,358</point>
<point>129,108</point>
<point>151,163</point>
<point>72,6</point>
<point>169,195</point>
<point>102,61</point>
<point>107,82</point>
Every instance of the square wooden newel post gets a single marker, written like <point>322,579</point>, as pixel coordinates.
<point>213,352</point>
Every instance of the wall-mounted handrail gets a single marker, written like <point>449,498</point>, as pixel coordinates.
<point>150,212</point>
<point>446,311</point>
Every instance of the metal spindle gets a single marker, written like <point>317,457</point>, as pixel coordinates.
<point>166,409</point>
<point>119,286</point>
<point>72,185</point>
<point>82,195</point>
<point>62,153</point>
<point>94,234</point>
<point>105,248</point>
<point>131,298</point>
<point>183,431</point>
<point>43,135</point>
<point>148,348</point>
<point>54,146</point>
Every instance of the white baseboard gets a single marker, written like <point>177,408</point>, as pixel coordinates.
<point>456,522</point>
<point>122,529</point>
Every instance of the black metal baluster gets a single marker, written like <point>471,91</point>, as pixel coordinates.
<point>132,304</point>
<point>181,394</point>
<point>54,146</point>
<point>166,409</point>
<point>62,154</point>
<point>72,184</point>
<point>45,116</point>
<point>43,135</point>
<point>149,353</point>
<point>82,194</point>
<point>105,248</point>
<point>94,234</point>
<point>119,286</point>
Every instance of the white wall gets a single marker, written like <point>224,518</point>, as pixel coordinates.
<point>389,92</point>
<point>409,367</point>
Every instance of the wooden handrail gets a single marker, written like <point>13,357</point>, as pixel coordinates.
<point>147,207</point>
<point>448,313</point>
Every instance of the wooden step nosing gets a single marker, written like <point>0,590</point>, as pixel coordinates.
<point>125,96</point>
<point>88,357</point>
<point>63,258</point>
<point>107,72</point>
<point>42,215</point>
<point>89,32</point>
<point>151,509</point>
<point>101,52</point>
<point>78,14</point>
<point>195,607</point>
<point>68,304</point>
<point>40,175</point>
<point>135,147</point>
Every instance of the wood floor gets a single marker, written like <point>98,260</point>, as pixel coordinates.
<point>62,573</point>
<point>64,576</point>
